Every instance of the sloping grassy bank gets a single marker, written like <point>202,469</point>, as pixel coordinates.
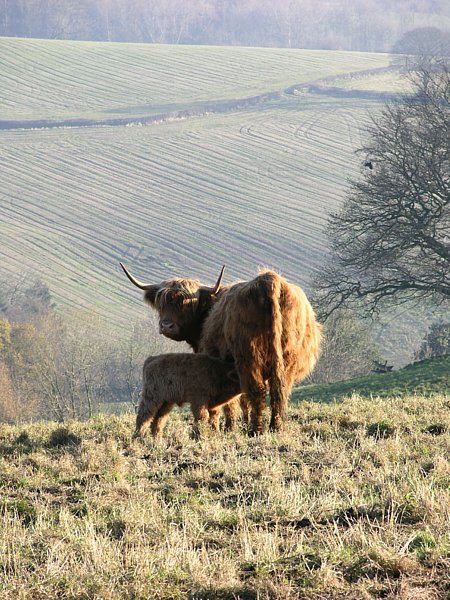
<point>426,377</point>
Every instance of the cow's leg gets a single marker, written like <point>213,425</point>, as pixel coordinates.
<point>161,418</point>
<point>146,413</point>
<point>255,395</point>
<point>280,389</point>
<point>232,410</point>
<point>245,409</point>
<point>201,416</point>
<point>258,404</point>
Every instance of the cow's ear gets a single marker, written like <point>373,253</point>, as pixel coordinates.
<point>206,299</point>
<point>208,295</point>
<point>150,295</point>
<point>233,375</point>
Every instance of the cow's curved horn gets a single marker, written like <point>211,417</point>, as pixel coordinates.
<point>136,282</point>
<point>219,281</point>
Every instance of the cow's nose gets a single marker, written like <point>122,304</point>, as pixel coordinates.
<point>166,326</point>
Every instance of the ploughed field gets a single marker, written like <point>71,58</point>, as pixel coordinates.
<point>52,79</point>
<point>351,501</point>
<point>236,183</point>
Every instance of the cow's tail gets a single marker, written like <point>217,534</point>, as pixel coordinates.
<point>278,384</point>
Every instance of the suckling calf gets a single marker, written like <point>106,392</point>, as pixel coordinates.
<point>204,382</point>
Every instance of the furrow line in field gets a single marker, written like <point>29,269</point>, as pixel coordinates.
<point>139,195</point>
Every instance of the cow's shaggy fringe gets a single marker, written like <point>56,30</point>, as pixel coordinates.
<point>184,290</point>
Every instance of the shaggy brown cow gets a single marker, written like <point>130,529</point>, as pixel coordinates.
<point>266,325</point>
<point>204,382</point>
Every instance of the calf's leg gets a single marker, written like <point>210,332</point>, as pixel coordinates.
<point>214,418</point>
<point>161,418</point>
<point>147,411</point>
<point>232,411</point>
<point>201,416</point>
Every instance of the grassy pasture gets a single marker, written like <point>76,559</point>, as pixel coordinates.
<point>338,506</point>
<point>384,81</point>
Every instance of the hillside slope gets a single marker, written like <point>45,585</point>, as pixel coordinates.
<point>327,509</point>
<point>426,377</point>
<point>42,79</point>
<point>247,188</point>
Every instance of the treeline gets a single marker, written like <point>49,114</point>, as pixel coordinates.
<point>67,365</point>
<point>361,25</point>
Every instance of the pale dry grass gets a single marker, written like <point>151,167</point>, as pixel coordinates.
<point>351,501</point>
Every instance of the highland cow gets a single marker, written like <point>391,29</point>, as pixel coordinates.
<point>204,382</point>
<point>266,326</point>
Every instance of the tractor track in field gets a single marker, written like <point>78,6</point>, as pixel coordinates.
<point>319,86</point>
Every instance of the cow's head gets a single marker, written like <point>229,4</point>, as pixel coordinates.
<point>182,304</point>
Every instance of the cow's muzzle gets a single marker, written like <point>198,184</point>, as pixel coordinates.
<point>168,328</point>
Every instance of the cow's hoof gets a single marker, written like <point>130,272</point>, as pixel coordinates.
<point>276,426</point>
<point>254,432</point>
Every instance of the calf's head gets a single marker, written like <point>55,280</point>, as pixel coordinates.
<point>182,305</point>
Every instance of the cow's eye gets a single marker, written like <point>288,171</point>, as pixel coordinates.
<point>177,301</point>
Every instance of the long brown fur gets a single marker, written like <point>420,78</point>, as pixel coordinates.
<point>266,325</point>
<point>204,382</point>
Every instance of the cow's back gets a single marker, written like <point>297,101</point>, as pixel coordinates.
<point>240,318</point>
<point>247,319</point>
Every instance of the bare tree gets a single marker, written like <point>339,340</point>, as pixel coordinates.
<point>61,362</point>
<point>8,399</point>
<point>430,42</point>
<point>390,241</point>
<point>436,342</point>
<point>17,357</point>
<point>348,349</point>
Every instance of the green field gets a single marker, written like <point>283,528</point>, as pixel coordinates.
<point>427,377</point>
<point>383,81</point>
<point>339,506</point>
<point>249,187</point>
